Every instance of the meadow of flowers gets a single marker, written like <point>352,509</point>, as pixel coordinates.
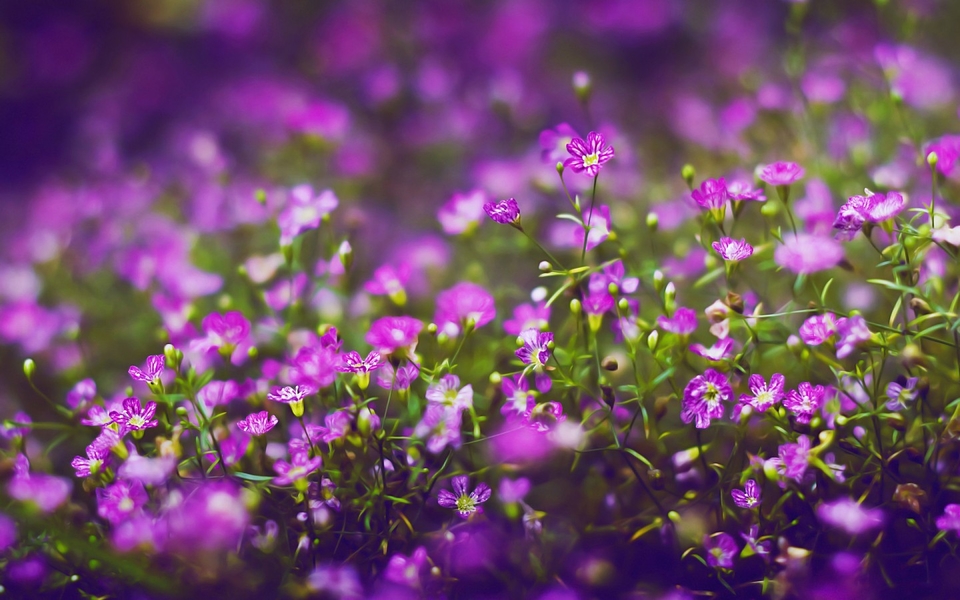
<point>519,299</point>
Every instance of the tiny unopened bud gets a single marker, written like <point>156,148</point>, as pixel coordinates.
<point>29,368</point>
<point>920,307</point>
<point>896,421</point>
<point>345,251</point>
<point>610,364</point>
<point>287,251</point>
<point>653,339</point>
<point>735,301</point>
<point>658,280</point>
<point>560,168</point>
<point>181,411</point>
<point>932,159</point>
<point>261,196</point>
<point>688,173</point>
<point>912,356</point>
<point>576,306</point>
<point>670,292</point>
<point>613,289</point>
<point>674,516</point>
<point>653,221</point>
<point>623,304</point>
<point>794,343</point>
<point>656,479</point>
<point>581,85</point>
<point>252,352</point>
<point>545,266</point>
<point>431,328</point>
<point>770,209</point>
<point>496,378</point>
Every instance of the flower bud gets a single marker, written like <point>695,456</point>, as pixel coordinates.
<point>653,221</point>
<point>545,266</point>
<point>576,306</point>
<point>623,305</point>
<point>431,328</point>
<point>560,168</point>
<point>260,196</point>
<point>613,289</point>
<point>932,159</point>
<point>345,251</point>
<point>582,85</point>
<point>770,209</point>
<point>653,339</point>
<point>658,280</point>
<point>688,173</point>
<point>610,364</point>
<point>912,356</point>
<point>29,368</point>
<point>296,408</point>
<point>656,479</point>
<point>495,378</point>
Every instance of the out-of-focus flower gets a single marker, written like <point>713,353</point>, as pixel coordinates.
<point>721,549</point>
<point>462,212</point>
<point>406,570</point>
<point>683,322</point>
<point>793,459</point>
<point>300,466</point>
<point>399,379</point>
<point>598,221</point>
<point>851,333</point>
<point>587,156</point>
<point>850,515</point>
<point>390,281</point>
<point>527,316</point>
<point>120,501</point>
<point>712,194</point>
<point>807,253</point>
<point>304,211</point>
<point>518,399</point>
<point>465,304</point>
<point>464,503</point>
<point>780,173</point>
<point>545,416</point>
<point>900,394</point>
<point>390,334</point>
<point>448,393</point>
<point>717,352</point>
<point>81,394</point>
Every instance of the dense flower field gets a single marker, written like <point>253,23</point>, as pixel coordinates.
<point>640,299</point>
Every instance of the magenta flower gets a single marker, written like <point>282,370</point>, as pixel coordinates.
<point>818,329</point>
<point>513,490</point>
<point>703,398</point>
<point>594,305</point>
<point>731,249</point>
<point>683,322</point>
<point>900,394</point>
<point>120,501</point>
<point>390,281</point>
<point>406,570</point>
<point>258,423</point>
<point>462,305</point>
<point>545,416</point>
<point>291,393</point>
<point>764,395</point>
<point>807,253</point>
<point>744,190</point>
<point>712,194</point>
<point>950,519</point>
<point>441,426</point>
<point>81,394</point>
<point>464,503</point>
<point>517,397</point>
<point>335,426</point>
<point>304,211</point>
<point>850,217</point>
<point>599,223</point>
<point>553,143</point>
<point>18,428</point>
<point>301,466</point>
<point>793,459</point>
<point>150,471</point>
<point>97,457</point>
<point>536,351</point>
<point>612,274</point>
<point>315,366</point>
<point>226,333</point>
<point>588,156</point>
<point>749,496</point>
<point>151,371</point>
<point>883,207</point>
<point>781,173</point>
<point>448,393</point>
<point>399,379</point>
<point>389,334</point>
<point>527,316</point>
<point>352,363</point>
<point>719,351</point>
<point>505,212</point>
<point>805,401</point>
<point>462,212</point>
<point>850,515</point>
<point>948,151</point>
<point>134,416</point>
<point>751,538</point>
<point>851,332</point>
<point>721,549</point>
<point>46,492</point>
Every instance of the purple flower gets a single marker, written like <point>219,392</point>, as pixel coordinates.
<point>97,455</point>
<point>150,471</point>
<point>258,423</point>
<point>754,544</point>
<point>389,334</point>
<point>513,490</point>
<point>793,459</point>
<point>703,398</point>
<point>518,399</point>
<point>553,143</point>
<point>950,519</point>
<point>352,363</point>
<point>448,393</point>
<point>900,394</point>
<point>599,225</point>
<point>612,273</point>
<point>441,425</point>
<point>134,416</point>
<point>948,151</point>
<point>545,416</point>
<point>594,305</point>
<point>390,281</point>
<point>18,427</point>
<point>749,497</point>
<point>462,212</point>
<point>744,190</point>
<point>850,217</point>
<point>851,332</point>
<point>818,329</point>
<point>731,249</point>
<point>399,379</point>
<point>464,503</point>
<point>315,366</point>
<point>780,173</point>
<point>588,156</point>
<point>764,395</point>
<point>321,494</point>
<point>462,305</point>
<point>8,532</point>
<point>850,515</point>
<point>291,394</point>
<point>46,492</point>
<point>804,401</point>
<point>712,194</point>
<point>721,549</point>
<point>81,394</point>
<point>300,466</point>
<point>505,212</point>
<point>118,502</point>
<point>717,352</point>
<point>526,316</point>
<point>882,207</point>
<point>151,371</point>
<point>226,333</point>
<point>807,253</point>
<point>536,351</point>
<point>683,322</point>
<point>405,570</point>
<point>304,211</point>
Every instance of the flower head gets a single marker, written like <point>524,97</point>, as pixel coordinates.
<point>588,156</point>
<point>950,519</point>
<point>151,371</point>
<point>536,351</point>
<point>793,459</point>
<point>505,212</point>
<point>850,217</point>
<point>721,549</point>
<point>545,416</point>
<point>683,322</point>
<point>299,467</point>
<point>389,334</point>
<point>749,496</point>
<point>399,379</point>
<point>351,362</point>
<point>462,212</point>
<point>448,393</point>
<point>526,316</point>
<point>764,395</point>
<point>851,332</point>
<point>97,456</point>
<point>850,515</point>
<point>517,397</point>
<point>805,401</point>
<point>899,394</point>
<point>464,503</point>
<point>703,398</point>
<point>744,190</point>
<point>120,501</point>
<point>712,194</point>
<point>465,304</point>
<point>883,207</point>
<point>304,211</point>
<point>390,281</point>
<point>807,253</point>
<point>781,173</point>
<point>135,416</point>
<point>717,352</point>
<point>733,250</point>
<point>291,393</point>
<point>818,329</point>
<point>258,423</point>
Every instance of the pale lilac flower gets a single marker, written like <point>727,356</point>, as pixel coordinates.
<point>399,379</point>
<point>134,416</point>
<point>612,273</point>
<point>536,351</point>
<point>258,423</point>
<point>151,371</point>
<point>513,490</point>
<point>217,393</point>
<point>441,426</point>
<point>517,397</point>
<point>304,211</point>
<point>97,457</point>
<point>950,519</point>
<point>807,253</point>
<point>850,217</point>
<point>148,471</point>
<point>527,316</point>
<point>764,395</point>
<point>818,329</point>
<point>315,366</point>
<point>851,332</point>
<point>712,194</point>
<point>448,393</point>
<point>744,190</point>
<point>97,416</point>
<point>464,304</point>
<point>759,548</point>
<point>81,394</point>
<point>389,334</point>
<point>553,143</point>
<point>780,173</point>
<point>804,401</point>
<point>721,549</point>
<point>749,496</point>
<point>900,394</point>
<point>588,156</point>
<point>120,501</point>
<point>462,212</point>
<point>291,394</point>
<point>300,466</point>
<point>406,570</point>
<point>850,515</point>
<point>226,333</point>
<point>599,225</point>
<point>683,322</point>
<point>335,426</point>
<point>351,362</point>
<point>464,503</point>
<point>505,212</point>
<point>390,281</point>
<point>884,206</point>
<point>793,459</point>
<point>719,351</point>
<point>733,250</point>
<point>46,492</point>
<point>703,398</point>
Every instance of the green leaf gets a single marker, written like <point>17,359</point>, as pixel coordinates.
<point>252,477</point>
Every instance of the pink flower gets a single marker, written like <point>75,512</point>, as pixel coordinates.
<point>352,363</point>
<point>588,156</point>
<point>749,497</point>
<point>599,225</point>
<point>717,352</point>
<point>850,515</point>
<point>764,395</point>
<point>134,416</point>
<point>883,207</point>
<point>120,501</point>
<point>712,194</point>
<point>851,332</point>
<point>390,281</point>
<point>703,398</point>
<point>721,549</point>
<point>528,316</point>
<point>389,334</point>
<point>807,253</point>
<point>683,322</point>
<point>505,212</point>
<point>464,304</point>
<point>151,371</point>
<point>258,423</point>
<point>818,329</point>
<point>301,465</point>
<point>464,503</point>
<point>304,211</point>
<point>781,173</point>
<point>793,459</point>
<point>462,212</point>
<point>536,351</point>
<point>448,393</point>
<point>289,394</point>
<point>805,401</point>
